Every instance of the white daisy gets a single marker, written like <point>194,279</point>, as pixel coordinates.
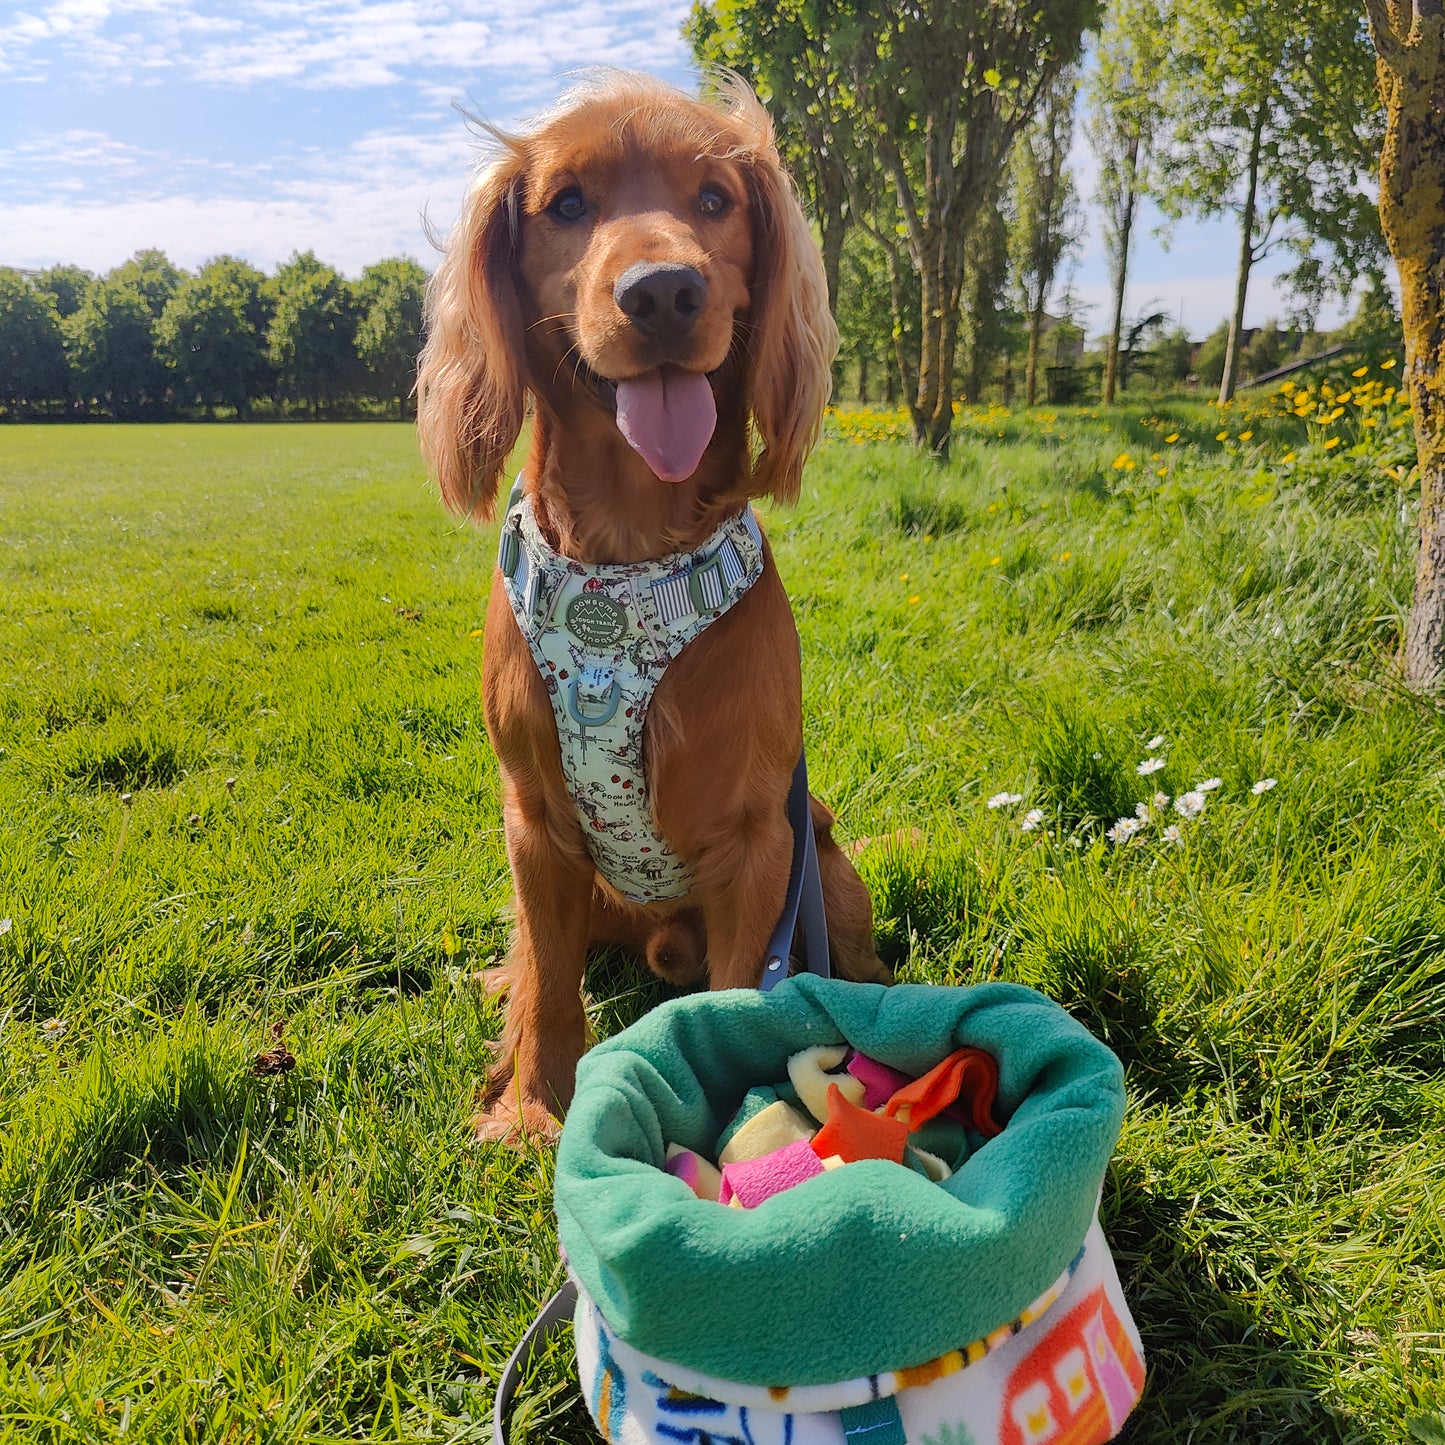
<point>1263,786</point>
<point>1190,805</point>
<point>1141,811</point>
<point>1156,742</point>
<point>1209,785</point>
<point>1032,819</point>
<point>1149,765</point>
<point>54,1029</point>
<point>1173,835</point>
<point>1161,800</point>
<point>6,924</point>
<point>1005,800</point>
<point>1123,830</point>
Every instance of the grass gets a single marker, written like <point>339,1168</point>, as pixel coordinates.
<point>245,798</point>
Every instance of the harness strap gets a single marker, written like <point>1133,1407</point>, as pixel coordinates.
<point>805,896</point>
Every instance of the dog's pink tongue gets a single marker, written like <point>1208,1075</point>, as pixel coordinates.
<point>667,417</point>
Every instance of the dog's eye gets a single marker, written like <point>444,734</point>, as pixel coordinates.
<point>711,201</point>
<point>569,206</point>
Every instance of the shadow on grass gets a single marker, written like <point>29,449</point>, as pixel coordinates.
<point>1216,1375</point>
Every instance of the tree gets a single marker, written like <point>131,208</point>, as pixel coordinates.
<point>1409,40</point>
<point>783,51</point>
<point>944,90</point>
<point>863,314</point>
<point>1046,225</point>
<point>1122,116</point>
<point>69,286</point>
<point>989,323</point>
<point>111,337</point>
<point>310,341</point>
<point>1270,115</point>
<point>32,356</point>
<point>389,335</point>
<point>212,333</point>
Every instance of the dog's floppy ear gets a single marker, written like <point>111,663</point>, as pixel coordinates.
<point>793,338</point>
<point>471,394</point>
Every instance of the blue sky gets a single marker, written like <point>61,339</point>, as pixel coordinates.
<point>261,127</point>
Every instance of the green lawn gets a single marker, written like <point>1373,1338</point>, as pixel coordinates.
<point>245,792</point>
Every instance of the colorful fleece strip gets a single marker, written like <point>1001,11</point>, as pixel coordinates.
<point>1067,1371</point>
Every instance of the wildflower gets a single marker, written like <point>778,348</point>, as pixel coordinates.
<point>1149,765</point>
<point>1155,743</point>
<point>1005,800</point>
<point>1096,756</point>
<point>1162,472</point>
<point>1209,785</point>
<point>1333,442</point>
<point>6,924</point>
<point>1359,371</point>
<point>54,1029</point>
<point>1244,436</point>
<point>914,601</point>
<point>1263,786</point>
<point>1124,462</point>
<point>994,561</point>
<point>1032,819</point>
<point>1161,801</point>
<point>1288,457</point>
<point>903,576</point>
<point>1222,436</point>
<point>1172,437</point>
<point>1386,365</point>
<point>1064,556</point>
<point>1173,836</point>
<point>1190,805</point>
<point>1123,830</point>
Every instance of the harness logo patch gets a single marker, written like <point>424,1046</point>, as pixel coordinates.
<point>598,621</point>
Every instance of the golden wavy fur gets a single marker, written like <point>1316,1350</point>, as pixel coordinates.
<point>527,305</point>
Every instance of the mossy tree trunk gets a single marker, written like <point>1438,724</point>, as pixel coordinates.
<point>1410,42</point>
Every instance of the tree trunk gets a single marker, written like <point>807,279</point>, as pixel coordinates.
<point>1121,276</point>
<point>1031,369</point>
<point>863,377</point>
<point>1246,260</point>
<point>1412,211</point>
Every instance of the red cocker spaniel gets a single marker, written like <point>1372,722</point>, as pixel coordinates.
<point>638,264</point>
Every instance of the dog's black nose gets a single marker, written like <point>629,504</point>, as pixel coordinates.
<point>660,298</point>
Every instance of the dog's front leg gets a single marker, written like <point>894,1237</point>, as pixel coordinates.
<point>545,1032</point>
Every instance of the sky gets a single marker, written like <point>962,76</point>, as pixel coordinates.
<point>261,127</point>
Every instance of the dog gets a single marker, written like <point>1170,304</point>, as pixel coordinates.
<point>637,268</point>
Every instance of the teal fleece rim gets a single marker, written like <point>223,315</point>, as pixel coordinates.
<point>857,1271</point>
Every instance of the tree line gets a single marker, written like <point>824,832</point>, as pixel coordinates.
<point>148,340</point>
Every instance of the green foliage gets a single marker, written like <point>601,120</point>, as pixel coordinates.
<point>263,636</point>
<point>310,341</point>
<point>212,332</point>
<point>69,285</point>
<point>110,338</point>
<point>32,354</point>
<point>389,336</point>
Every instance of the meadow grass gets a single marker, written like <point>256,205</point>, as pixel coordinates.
<point>246,799</point>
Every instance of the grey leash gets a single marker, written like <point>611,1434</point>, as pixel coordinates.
<point>805,897</point>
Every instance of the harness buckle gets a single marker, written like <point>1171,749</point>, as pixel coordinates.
<point>707,585</point>
<point>596,679</point>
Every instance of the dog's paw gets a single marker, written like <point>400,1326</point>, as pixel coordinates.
<point>511,1122</point>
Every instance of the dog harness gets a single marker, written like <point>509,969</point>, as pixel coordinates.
<point>602,636</point>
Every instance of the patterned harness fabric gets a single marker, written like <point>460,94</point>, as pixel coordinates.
<point>602,636</point>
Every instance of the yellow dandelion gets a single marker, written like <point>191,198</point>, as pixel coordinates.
<point>994,561</point>
<point>913,601</point>
<point>1369,421</point>
<point>1386,365</point>
<point>1064,556</point>
<point>1162,472</point>
<point>1222,436</point>
<point>1333,442</point>
<point>1172,437</point>
<point>1122,461</point>
<point>1359,371</point>
<point>1287,387</point>
<point>1288,457</point>
<point>1244,436</point>
<point>903,576</point>
<point>476,632</point>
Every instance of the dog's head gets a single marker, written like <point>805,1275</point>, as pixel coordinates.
<point>639,260</point>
